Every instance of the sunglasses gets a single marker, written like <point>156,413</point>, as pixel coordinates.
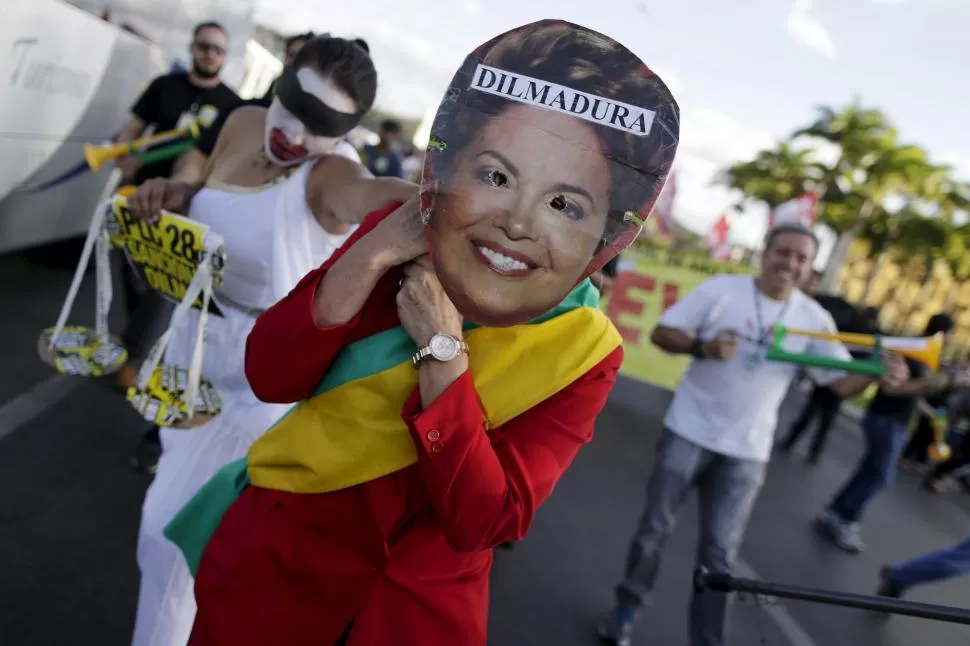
<point>209,47</point>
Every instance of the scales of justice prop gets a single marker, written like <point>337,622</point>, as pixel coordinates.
<point>926,350</point>
<point>185,259</point>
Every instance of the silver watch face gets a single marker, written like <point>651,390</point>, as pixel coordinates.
<point>443,347</point>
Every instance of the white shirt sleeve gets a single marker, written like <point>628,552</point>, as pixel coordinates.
<point>833,349</point>
<point>693,312</point>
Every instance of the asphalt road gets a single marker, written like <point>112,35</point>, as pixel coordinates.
<point>69,510</point>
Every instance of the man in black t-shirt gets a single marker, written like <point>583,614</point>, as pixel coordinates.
<point>885,425</point>
<point>958,416</point>
<point>189,167</point>
<point>170,102</point>
<point>916,453</point>
<point>824,403</point>
<point>175,100</point>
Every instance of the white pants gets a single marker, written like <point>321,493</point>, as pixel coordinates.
<point>166,603</point>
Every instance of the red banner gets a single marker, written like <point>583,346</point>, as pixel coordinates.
<point>717,239</point>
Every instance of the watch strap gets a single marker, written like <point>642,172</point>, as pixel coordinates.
<point>424,352</point>
<point>697,348</point>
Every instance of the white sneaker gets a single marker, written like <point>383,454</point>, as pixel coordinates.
<point>849,538</point>
<point>830,522</point>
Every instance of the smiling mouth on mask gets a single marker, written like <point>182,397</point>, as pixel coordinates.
<point>282,149</point>
<point>503,261</point>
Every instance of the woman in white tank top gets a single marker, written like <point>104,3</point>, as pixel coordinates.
<point>283,196</point>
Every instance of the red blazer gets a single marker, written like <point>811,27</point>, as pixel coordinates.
<point>405,557</point>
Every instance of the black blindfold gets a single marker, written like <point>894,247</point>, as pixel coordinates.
<point>320,119</point>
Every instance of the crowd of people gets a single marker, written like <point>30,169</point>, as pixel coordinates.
<point>382,427</point>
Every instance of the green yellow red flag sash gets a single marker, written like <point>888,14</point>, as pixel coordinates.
<point>351,430</point>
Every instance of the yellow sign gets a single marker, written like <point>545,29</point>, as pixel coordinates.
<point>166,253</point>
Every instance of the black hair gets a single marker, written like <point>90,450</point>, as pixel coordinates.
<point>391,126</point>
<point>350,67</point>
<point>790,227</point>
<point>360,42</point>
<point>939,323</point>
<point>210,24</point>
<point>870,319</point>
<point>295,39</point>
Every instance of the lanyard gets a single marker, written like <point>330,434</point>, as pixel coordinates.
<point>765,333</point>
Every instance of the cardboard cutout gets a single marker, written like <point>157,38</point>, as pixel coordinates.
<point>547,153</point>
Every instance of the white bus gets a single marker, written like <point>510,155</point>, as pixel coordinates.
<point>71,71</point>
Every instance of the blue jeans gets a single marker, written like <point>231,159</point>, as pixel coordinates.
<point>885,440</point>
<point>726,490</point>
<point>935,566</point>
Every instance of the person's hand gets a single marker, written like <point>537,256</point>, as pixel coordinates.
<point>423,306</point>
<point>723,346</point>
<point>128,165</point>
<point>156,195</point>
<point>897,372</point>
<point>401,235</point>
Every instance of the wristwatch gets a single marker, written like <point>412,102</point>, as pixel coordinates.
<point>441,347</point>
<point>697,348</point>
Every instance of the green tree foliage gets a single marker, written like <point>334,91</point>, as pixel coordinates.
<point>870,172</point>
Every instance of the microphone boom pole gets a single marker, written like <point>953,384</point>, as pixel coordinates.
<point>707,581</point>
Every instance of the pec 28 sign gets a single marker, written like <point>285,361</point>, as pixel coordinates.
<point>165,253</point>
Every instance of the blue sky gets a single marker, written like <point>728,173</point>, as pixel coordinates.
<point>745,72</point>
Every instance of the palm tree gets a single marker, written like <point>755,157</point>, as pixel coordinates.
<point>869,165</point>
<point>774,176</point>
<point>924,238</point>
<point>855,130</point>
<point>957,256</point>
<point>880,230</point>
<point>905,174</point>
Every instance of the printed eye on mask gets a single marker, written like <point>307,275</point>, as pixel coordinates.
<point>546,155</point>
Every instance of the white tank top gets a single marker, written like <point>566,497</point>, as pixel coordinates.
<point>271,237</point>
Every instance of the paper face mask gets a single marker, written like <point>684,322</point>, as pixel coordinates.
<point>307,117</point>
<point>548,151</point>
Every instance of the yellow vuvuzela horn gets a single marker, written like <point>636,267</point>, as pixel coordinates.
<point>98,156</point>
<point>927,350</point>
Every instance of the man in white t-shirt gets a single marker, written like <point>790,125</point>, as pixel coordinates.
<point>720,427</point>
